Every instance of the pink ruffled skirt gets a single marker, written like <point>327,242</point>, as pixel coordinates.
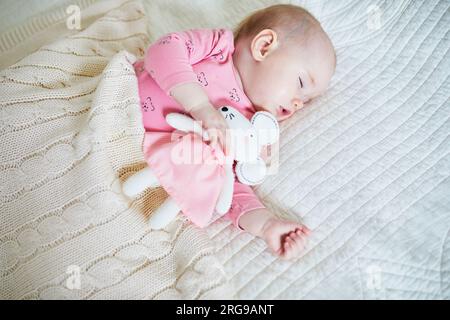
<point>189,170</point>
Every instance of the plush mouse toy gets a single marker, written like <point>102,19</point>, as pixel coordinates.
<point>247,139</point>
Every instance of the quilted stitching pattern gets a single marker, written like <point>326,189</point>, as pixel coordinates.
<point>366,167</point>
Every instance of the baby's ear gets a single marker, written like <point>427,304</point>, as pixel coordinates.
<point>266,126</point>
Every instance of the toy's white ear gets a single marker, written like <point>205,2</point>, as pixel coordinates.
<point>266,126</point>
<point>251,173</point>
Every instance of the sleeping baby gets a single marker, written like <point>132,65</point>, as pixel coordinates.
<point>276,60</point>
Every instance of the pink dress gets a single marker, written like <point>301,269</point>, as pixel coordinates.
<point>189,169</point>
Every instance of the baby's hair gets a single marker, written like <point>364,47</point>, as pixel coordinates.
<point>284,18</point>
<point>293,23</point>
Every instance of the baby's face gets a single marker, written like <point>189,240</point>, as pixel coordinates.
<point>282,81</point>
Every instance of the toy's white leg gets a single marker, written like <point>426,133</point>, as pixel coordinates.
<point>139,181</point>
<point>226,196</point>
<point>166,212</point>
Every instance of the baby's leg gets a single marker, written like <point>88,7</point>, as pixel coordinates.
<point>142,179</point>
<point>165,214</point>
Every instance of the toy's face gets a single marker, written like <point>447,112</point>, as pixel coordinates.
<point>242,134</point>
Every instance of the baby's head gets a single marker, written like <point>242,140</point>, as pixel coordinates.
<point>283,58</point>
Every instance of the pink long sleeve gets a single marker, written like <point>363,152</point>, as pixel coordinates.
<point>170,59</point>
<point>244,200</point>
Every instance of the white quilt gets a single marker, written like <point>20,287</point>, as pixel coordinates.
<point>366,167</point>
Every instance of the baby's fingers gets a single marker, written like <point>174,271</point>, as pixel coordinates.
<point>299,240</point>
<point>216,138</point>
<point>303,229</point>
<point>213,137</point>
<point>289,250</point>
<point>293,245</point>
<point>227,142</point>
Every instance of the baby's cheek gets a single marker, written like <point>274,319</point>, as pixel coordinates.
<point>284,117</point>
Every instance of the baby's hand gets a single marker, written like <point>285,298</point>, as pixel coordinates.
<point>195,101</point>
<point>214,123</point>
<point>285,238</point>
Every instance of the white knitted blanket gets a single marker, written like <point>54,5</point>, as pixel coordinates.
<point>70,134</point>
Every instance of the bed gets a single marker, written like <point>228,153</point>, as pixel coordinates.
<point>366,166</point>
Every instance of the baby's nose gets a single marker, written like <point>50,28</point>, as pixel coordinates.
<point>297,104</point>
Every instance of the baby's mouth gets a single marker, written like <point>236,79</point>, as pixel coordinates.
<point>282,111</point>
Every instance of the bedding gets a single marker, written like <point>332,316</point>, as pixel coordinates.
<point>71,133</point>
<point>366,166</point>
<point>13,13</point>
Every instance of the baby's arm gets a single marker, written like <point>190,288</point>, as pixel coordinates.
<point>169,61</point>
<point>285,238</point>
<point>196,103</point>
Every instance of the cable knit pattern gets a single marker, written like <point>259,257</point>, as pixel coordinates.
<point>71,134</point>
